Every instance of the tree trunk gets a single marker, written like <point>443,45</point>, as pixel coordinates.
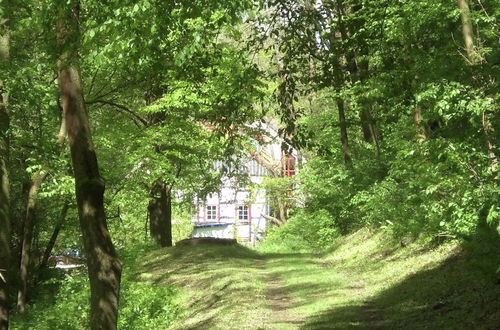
<point>103,264</point>
<point>29,225</point>
<point>358,72</point>
<point>418,118</point>
<point>160,213</point>
<point>489,133</point>
<point>467,30</point>
<point>475,58</point>
<point>369,128</point>
<point>4,187</point>
<point>343,133</point>
<point>55,234</point>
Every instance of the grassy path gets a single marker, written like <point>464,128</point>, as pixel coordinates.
<point>279,302</point>
<point>363,283</point>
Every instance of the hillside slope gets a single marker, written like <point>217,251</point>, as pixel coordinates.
<point>362,282</point>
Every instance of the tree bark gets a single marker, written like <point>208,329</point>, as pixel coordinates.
<point>103,264</point>
<point>358,72</point>
<point>160,213</point>
<point>29,225</point>
<point>369,128</point>
<point>418,118</point>
<point>4,186</point>
<point>467,30</point>
<point>344,139</point>
<point>475,58</point>
<point>55,234</point>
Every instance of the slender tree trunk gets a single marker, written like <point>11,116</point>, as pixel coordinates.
<point>29,225</point>
<point>369,128</point>
<point>418,118</point>
<point>55,234</point>
<point>467,30</point>
<point>344,140</point>
<point>489,133</point>
<point>103,264</point>
<point>475,58</point>
<point>358,72</point>
<point>283,210</point>
<point>4,186</point>
<point>160,213</point>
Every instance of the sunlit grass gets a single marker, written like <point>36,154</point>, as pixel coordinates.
<point>366,280</point>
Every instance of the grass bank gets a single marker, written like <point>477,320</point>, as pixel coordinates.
<point>368,281</point>
<point>365,281</point>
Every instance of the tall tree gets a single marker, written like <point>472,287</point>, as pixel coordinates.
<point>29,225</point>
<point>4,176</point>
<point>474,58</point>
<point>103,265</point>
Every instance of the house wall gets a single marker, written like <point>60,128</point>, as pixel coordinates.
<point>227,202</point>
<point>266,151</point>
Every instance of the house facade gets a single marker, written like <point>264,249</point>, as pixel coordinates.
<point>240,208</point>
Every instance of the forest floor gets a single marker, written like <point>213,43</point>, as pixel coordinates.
<point>365,281</point>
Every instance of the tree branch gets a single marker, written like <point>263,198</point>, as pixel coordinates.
<point>120,108</point>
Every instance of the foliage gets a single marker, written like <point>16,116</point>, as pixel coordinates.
<point>304,231</point>
<point>421,118</point>
<point>62,302</point>
<point>396,119</point>
<point>143,305</point>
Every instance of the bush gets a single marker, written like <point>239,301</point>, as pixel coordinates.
<point>304,231</point>
<point>64,301</point>
<point>60,303</point>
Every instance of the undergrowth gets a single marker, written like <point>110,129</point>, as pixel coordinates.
<point>62,302</point>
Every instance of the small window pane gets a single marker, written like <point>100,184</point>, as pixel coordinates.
<point>211,212</point>
<point>243,213</point>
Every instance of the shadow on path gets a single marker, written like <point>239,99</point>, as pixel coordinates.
<point>461,293</point>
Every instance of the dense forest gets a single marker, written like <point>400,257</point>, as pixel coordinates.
<point>113,113</point>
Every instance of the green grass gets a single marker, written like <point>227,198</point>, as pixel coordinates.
<point>221,286</point>
<point>365,281</point>
<point>368,281</point>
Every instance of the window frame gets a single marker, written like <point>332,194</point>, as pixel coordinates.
<point>242,211</point>
<point>211,213</point>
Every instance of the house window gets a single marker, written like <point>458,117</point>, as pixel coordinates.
<point>211,213</point>
<point>289,168</point>
<point>243,215</point>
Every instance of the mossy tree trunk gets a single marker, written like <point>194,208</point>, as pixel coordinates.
<point>103,264</point>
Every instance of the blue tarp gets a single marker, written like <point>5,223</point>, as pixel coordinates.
<point>211,225</point>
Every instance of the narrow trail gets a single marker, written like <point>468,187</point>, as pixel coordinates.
<point>279,302</point>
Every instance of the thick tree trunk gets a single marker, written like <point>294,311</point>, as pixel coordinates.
<point>344,140</point>
<point>29,225</point>
<point>4,188</point>
<point>160,213</point>
<point>55,234</point>
<point>103,265</point>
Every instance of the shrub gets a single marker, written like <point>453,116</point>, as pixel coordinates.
<point>303,231</point>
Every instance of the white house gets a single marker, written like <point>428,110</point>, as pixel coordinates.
<point>236,211</point>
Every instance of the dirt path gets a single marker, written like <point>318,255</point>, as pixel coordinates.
<point>279,302</point>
